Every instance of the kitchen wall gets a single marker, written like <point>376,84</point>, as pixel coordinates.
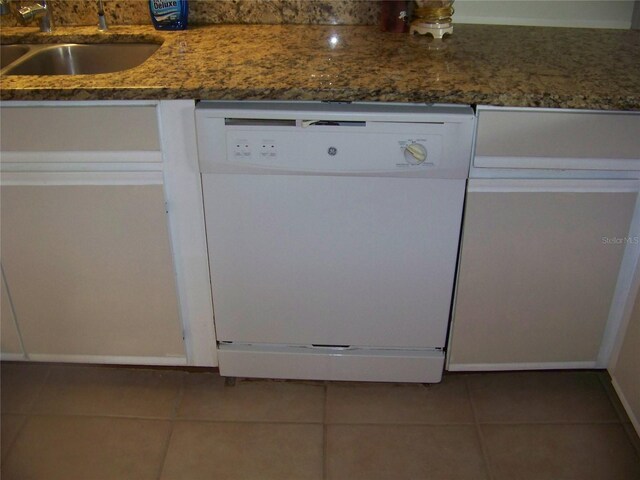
<point>590,13</point>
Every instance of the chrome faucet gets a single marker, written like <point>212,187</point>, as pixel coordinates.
<point>26,14</point>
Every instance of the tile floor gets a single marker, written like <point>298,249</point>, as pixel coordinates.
<point>94,422</point>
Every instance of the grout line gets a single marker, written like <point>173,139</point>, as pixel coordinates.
<point>404,424</point>
<point>483,447</point>
<point>538,422</point>
<point>36,395</point>
<point>163,419</point>
<point>262,422</point>
<point>94,415</point>
<point>165,451</point>
<point>179,396</point>
<point>15,438</point>
<point>245,422</point>
<point>283,422</point>
<point>174,413</point>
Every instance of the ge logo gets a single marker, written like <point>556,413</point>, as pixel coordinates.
<point>332,151</point>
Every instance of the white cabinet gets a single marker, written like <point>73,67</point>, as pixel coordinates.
<point>550,201</point>
<point>90,270</point>
<point>538,269</point>
<point>85,245</point>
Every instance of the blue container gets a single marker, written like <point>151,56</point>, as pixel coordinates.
<point>169,14</point>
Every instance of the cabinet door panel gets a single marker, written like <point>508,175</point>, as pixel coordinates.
<point>531,133</point>
<point>87,128</point>
<point>90,270</point>
<point>537,275</point>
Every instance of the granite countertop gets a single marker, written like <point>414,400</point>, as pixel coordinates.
<point>479,64</point>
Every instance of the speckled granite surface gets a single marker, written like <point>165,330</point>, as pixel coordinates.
<point>498,65</point>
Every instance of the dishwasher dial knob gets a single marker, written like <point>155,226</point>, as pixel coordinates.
<point>415,153</point>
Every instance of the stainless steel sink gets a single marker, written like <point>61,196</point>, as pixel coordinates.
<point>80,59</point>
<point>10,53</point>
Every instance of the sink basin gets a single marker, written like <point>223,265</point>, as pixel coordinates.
<point>81,59</point>
<point>10,53</point>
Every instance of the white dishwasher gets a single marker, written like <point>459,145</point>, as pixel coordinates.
<point>333,232</point>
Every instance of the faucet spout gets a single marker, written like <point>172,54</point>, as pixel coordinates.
<point>41,10</point>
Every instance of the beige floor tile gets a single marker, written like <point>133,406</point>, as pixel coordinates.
<point>398,452</point>
<point>445,402</point>
<point>20,385</point>
<point>68,447</point>
<point>96,390</point>
<point>9,427</point>
<point>554,452</point>
<point>529,397</point>
<point>206,397</point>
<point>244,451</point>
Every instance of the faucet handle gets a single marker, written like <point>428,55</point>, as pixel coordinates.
<point>29,13</point>
<point>41,10</point>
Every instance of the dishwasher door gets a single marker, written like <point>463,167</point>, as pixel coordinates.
<point>332,260</point>
<point>333,235</point>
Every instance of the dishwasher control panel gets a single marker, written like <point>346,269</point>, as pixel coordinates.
<point>351,139</point>
<point>334,150</point>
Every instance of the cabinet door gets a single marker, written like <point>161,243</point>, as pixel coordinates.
<point>538,269</point>
<point>90,271</point>
<point>9,339</point>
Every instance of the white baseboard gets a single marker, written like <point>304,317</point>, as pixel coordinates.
<point>12,357</point>
<point>109,359</point>
<point>480,367</point>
